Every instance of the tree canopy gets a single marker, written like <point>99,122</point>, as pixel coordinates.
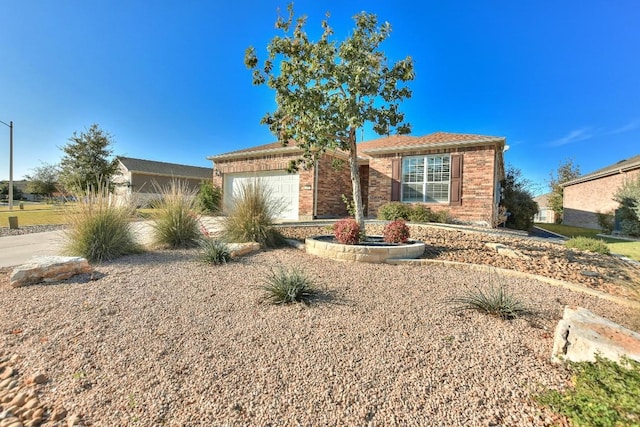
<point>88,160</point>
<point>518,199</point>
<point>44,180</point>
<point>326,90</point>
<point>566,172</point>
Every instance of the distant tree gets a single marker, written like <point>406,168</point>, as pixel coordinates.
<point>4,191</point>
<point>517,198</point>
<point>44,180</point>
<point>326,90</point>
<point>566,172</point>
<point>88,160</point>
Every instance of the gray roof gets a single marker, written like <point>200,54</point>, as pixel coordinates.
<point>168,169</point>
<point>619,167</point>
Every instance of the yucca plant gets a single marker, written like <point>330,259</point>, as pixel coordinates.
<point>495,300</point>
<point>251,215</point>
<point>100,226</point>
<point>214,251</point>
<point>176,221</point>
<point>287,286</point>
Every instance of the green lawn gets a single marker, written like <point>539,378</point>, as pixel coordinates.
<point>33,214</point>
<point>627,248</point>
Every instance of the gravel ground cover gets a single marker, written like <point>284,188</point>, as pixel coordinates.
<point>160,339</point>
<point>605,273</point>
<point>26,229</point>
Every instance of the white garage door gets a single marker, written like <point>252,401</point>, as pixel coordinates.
<point>284,188</point>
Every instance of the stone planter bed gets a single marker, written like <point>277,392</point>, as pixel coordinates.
<point>372,251</point>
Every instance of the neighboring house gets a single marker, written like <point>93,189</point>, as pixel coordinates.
<point>22,187</point>
<point>545,213</point>
<point>589,194</point>
<point>142,177</point>
<point>460,173</point>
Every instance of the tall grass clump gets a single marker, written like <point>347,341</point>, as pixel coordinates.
<point>175,220</point>
<point>251,216</point>
<point>588,244</point>
<point>496,300</point>
<point>99,226</point>
<point>287,286</point>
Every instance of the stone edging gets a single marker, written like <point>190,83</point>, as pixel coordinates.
<point>514,273</point>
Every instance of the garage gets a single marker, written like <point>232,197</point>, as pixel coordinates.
<point>284,188</point>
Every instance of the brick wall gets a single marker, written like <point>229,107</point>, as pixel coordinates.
<point>478,187</point>
<point>332,184</point>
<point>582,201</point>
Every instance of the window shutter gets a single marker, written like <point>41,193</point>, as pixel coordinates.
<point>395,180</point>
<point>455,192</point>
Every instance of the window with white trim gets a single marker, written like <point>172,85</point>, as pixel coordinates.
<point>426,179</point>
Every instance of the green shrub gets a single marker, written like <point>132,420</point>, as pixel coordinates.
<point>588,244</point>
<point>347,231</point>
<point>396,232</point>
<point>604,393</point>
<point>287,286</point>
<point>100,228</point>
<point>442,217</point>
<point>495,300</point>
<point>421,213</point>
<point>209,197</point>
<point>214,251</point>
<point>175,221</point>
<point>606,222</point>
<point>251,216</point>
<point>394,210</point>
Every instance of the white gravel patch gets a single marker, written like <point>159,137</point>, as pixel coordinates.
<point>160,339</point>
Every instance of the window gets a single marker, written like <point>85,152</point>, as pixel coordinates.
<point>426,179</point>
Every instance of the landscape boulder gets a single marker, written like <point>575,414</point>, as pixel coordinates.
<point>48,269</point>
<point>241,249</point>
<point>506,251</point>
<point>580,334</point>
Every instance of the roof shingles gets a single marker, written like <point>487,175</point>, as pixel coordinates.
<point>162,168</point>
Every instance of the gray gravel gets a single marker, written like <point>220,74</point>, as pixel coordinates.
<point>27,229</point>
<point>159,339</point>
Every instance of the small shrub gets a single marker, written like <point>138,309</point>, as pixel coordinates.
<point>214,251</point>
<point>347,231</point>
<point>604,393</point>
<point>251,216</point>
<point>100,228</point>
<point>287,286</point>
<point>606,222</point>
<point>175,222</point>
<point>396,232</point>
<point>442,217</point>
<point>394,210</point>
<point>496,301</point>
<point>630,227</point>
<point>588,244</point>
<point>208,198</point>
<point>421,213</point>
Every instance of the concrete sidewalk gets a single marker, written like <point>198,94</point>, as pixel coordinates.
<point>16,250</point>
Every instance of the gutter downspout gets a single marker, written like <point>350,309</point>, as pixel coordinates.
<point>315,190</point>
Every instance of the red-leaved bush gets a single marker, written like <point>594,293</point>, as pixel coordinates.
<point>347,231</point>
<point>396,232</point>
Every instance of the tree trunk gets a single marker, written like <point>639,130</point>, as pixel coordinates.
<point>355,178</point>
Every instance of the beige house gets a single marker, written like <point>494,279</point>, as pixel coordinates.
<point>545,213</point>
<point>138,176</point>
<point>460,173</point>
<point>589,194</point>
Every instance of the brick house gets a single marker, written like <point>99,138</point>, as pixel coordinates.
<point>463,175</point>
<point>589,194</point>
<point>139,176</point>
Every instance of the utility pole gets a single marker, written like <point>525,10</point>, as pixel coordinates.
<point>10,163</point>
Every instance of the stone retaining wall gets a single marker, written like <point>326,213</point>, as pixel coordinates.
<point>362,253</point>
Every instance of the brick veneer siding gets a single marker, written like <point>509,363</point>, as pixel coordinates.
<point>479,166</point>
<point>582,201</point>
<point>331,183</point>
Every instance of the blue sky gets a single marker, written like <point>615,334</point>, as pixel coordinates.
<point>559,80</point>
